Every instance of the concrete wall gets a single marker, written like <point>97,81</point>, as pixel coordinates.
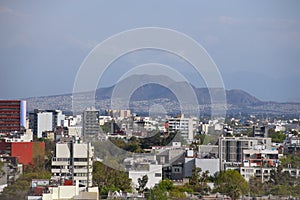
<point>44,123</point>
<point>153,178</point>
<point>212,165</point>
<point>189,164</point>
<point>62,151</point>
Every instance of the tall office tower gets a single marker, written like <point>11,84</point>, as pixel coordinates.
<point>12,115</point>
<point>73,161</point>
<point>45,120</point>
<point>90,122</point>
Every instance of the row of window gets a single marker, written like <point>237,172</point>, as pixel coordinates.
<point>68,159</point>
<point>15,119</point>
<point>80,174</point>
<point>69,174</point>
<point>61,159</point>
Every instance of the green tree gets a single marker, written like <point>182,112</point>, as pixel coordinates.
<point>134,145</point>
<point>177,194</point>
<point>2,173</point>
<point>256,186</point>
<point>20,188</point>
<point>166,185</point>
<point>280,177</point>
<point>290,161</point>
<point>49,150</point>
<point>157,193</point>
<point>110,179</point>
<point>282,182</point>
<point>231,183</point>
<point>199,180</point>
<point>161,191</point>
<point>142,183</point>
<point>154,140</point>
<point>118,142</point>
<point>276,136</point>
<point>281,190</point>
<point>185,188</point>
<point>295,191</point>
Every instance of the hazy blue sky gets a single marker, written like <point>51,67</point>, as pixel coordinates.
<point>255,44</point>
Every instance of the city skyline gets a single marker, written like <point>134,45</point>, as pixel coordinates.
<point>255,45</point>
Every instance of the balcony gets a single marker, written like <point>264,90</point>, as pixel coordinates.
<point>59,170</point>
<point>82,177</point>
<point>82,170</point>
<point>81,163</point>
<point>60,163</point>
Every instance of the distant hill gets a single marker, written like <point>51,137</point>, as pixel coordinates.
<point>240,97</point>
<point>238,101</point>
<point>153,91</point>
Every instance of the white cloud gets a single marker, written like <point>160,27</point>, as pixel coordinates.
<point>226,20</point>
<point>9,11</point>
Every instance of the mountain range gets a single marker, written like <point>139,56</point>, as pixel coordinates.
<point>149,90</point>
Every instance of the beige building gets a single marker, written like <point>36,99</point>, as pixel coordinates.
<point>73,161</point>
<point>186,126</point>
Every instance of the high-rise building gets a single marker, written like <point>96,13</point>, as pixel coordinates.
<point>186,127</point>
<point>45,120</point>
<point>73,161</point>
<point>90,122</point>
<point>12,115</point>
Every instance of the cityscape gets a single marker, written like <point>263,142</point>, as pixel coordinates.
<point>149,105</point>
<point>49,154</point>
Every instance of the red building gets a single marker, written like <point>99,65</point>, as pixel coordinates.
<point>25,152</point>
<point>12,115</point>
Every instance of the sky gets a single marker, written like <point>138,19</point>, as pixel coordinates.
<point>254,44</point>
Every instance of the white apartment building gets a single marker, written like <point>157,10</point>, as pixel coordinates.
<point>186,126</point>
<point>265,172</point>
<point>73,161</point>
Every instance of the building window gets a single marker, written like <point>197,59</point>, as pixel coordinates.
<point>176,170</point>
<point>157,174</point>
<point>162,160</point>
<point>80,160</point>
<point>80,174</point>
